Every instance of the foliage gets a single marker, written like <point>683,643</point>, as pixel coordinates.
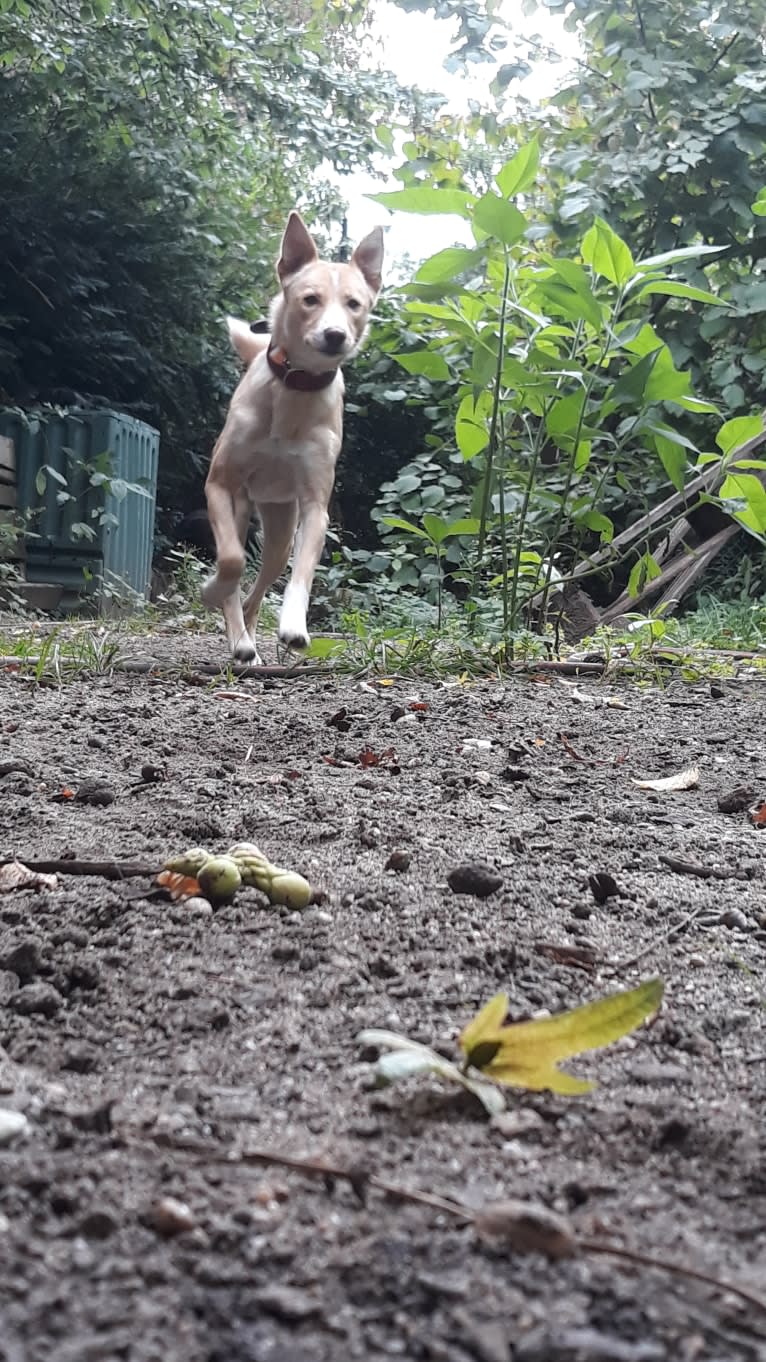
<point>564,391</point>
<point>523,1054</point>
<point>661,129</point>
<point>150,154</point>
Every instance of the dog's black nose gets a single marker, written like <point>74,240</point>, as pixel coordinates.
<point>334,339</point>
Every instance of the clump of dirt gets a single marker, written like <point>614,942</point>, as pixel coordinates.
<point>146,1043</point>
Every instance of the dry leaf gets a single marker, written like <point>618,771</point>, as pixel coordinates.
<point>528,1227</point>
<point>178,886</point>
<point>683,780</point>
<point>16,875</point>
<point>757,815</point>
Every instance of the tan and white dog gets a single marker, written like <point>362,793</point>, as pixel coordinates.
<point>279,446</point>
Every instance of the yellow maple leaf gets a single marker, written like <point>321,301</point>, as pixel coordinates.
<point>526,1054</point>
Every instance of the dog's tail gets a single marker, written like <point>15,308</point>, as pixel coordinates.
<point>247,344</point>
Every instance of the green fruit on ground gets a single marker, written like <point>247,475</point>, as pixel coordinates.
<point>219,879</point>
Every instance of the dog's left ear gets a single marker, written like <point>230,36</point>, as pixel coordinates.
<point>298,248</point>
<point>368,258</point>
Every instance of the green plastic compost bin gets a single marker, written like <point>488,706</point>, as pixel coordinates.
<point>57,453</point>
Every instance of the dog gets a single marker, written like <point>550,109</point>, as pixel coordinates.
<point>280,443</point>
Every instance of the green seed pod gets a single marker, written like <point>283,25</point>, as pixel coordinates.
<point>241,851</point>
<point>189,863</point>
<point>290,889</point>
<point>219,879</point>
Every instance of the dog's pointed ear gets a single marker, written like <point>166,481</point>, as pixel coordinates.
<point>368,258</point>
<point>298,248</point>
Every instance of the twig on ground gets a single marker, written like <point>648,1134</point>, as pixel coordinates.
<point>360,1179</point>
<point>656,941</point>
<point>105,870</point>
<point>703,872</point>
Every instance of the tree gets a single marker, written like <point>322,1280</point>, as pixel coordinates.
<point>150,154</point>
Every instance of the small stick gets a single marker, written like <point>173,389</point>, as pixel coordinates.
<point>703,872</point>
<point>657,941</point>
<point>105,870</point>
<point>359,1179</point>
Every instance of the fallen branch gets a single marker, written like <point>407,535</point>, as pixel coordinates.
<point>524,1225</point>
<point>149,666</point>
<point>664,937</point>
<point>703,872</point>
<point>105,870</point>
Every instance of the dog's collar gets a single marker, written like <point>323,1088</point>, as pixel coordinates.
<point>299,379</point>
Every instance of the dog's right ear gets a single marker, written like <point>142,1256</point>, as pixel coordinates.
<point>298,248</point>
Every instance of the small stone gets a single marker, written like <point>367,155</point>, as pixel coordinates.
<point>582,911</point>
<point>12,1123</point>
<point>736,800</point>
<point>36,1000</point>
<point>603,886</point>
<point>94,741</point>
<point>474,877</point>
<point>197,907</point>
<point>170,1217</point>
<point>511,1124</point>
<point>398,861</point>
<point>576,1345</point>
<point>80,1059</point>
<point>734,918</point>
<point>23,958</point>
<point>287,1302</point>
<point>98,1224</point>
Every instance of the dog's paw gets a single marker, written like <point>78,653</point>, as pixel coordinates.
<point>245,650</point>
<point>294,639</point>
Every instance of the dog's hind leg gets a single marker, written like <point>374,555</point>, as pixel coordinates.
<point>278,522</point>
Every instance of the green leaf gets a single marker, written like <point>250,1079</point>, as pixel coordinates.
<point>600,523</point>
<point>520,172</point>
<point>749,490</point>
<point>607,254</point>
<point>673,459</point>
<point>421,199</point>
<point>424,362</point>
<point>645,570</point>
<point>467,525</point>
<point>738,432</point>
<point>565,415</point>
<point>396,522</point>
<point>653,262</point>
<point>41,482</point>
<point>499,219</point>
<point>671,289</point>
<point>448,264</point>
<point>631,385</point>
<point>435,527</point>
<point>471,425</point>
<point>326,647</point>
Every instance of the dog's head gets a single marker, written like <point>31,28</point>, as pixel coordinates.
<point>321,316</point>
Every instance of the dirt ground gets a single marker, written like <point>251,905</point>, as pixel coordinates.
<point>145,1043</point>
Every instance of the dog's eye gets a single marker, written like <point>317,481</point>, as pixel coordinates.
<point>311,299</point>
<point>354,304</point>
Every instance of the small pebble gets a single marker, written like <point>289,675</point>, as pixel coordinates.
<point>12,1123</point>
<point>399,861</point>
<point>170,1217</point>
<point>36,999</point>
<point>197,907</point>
<point>735,918</point>
<point>475,877</point>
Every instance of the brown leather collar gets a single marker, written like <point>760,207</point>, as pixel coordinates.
<point>298,379</point>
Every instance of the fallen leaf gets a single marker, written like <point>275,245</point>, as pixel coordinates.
<point>178,886</point>
<point>683,780</point>
<point>409,1058</point>
<point>757,815</point>
<point>419,705</point>
<point>525,1054</point>
<point>16,875</point>
<point>367,757</point>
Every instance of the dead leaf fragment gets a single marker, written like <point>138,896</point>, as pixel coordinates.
<point>683,780</point>
<point>178,886</point>
<point>757,815</point>
<point>528,1227</point>
<point>16,875</point>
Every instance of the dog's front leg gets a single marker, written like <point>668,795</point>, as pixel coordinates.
<point>293,629</point>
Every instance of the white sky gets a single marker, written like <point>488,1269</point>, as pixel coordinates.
<point>414,47</point>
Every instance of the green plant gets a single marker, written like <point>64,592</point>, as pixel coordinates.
<point>435,531</point>
<point>562,386</point>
